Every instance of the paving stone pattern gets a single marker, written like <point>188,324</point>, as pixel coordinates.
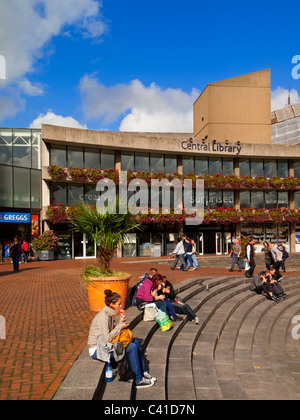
<point>48,319</point>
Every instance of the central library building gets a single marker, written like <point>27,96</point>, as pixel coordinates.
<point>252,186</point>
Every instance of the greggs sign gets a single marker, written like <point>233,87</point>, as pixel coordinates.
<point>15,218</point>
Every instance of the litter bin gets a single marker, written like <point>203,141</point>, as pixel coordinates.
<point>156,250</point>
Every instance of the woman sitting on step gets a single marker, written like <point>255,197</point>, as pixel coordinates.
<point>105,329</point>
<point>180,307</point>
<point>147,293</point>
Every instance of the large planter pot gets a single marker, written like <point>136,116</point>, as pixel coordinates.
<point>46,255</point>
<point>98,286</point>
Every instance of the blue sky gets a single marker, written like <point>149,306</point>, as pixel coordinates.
<point>136,65</point>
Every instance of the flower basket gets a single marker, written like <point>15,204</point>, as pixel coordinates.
<point>45,245</point>
<point>56,172</point>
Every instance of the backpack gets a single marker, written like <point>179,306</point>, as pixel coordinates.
<point>135,289</point>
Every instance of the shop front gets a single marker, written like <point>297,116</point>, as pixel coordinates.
<point>23,224</point>
<point>71,244</point>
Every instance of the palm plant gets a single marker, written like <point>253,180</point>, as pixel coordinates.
<point>108,229</point>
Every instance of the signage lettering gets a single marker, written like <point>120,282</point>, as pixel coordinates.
<point>211,147</point>
<point>15,218</point>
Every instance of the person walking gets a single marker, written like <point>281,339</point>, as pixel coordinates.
<point>277,258</point>
<point>16,252</point>
<point>179,253</point>
<point>285,255</point>
<point>25,247</point>
<point>251,259</point>
<point>268,255</point>
<point>235,255</point>
<point>194,255</point>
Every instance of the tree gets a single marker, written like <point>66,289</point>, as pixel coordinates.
<point>108,229</point>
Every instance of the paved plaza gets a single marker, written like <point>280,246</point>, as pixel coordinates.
<point>48,318</point>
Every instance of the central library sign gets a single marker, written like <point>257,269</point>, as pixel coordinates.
<point>216,147</point>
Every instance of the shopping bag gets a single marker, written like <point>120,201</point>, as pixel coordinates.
<point>164,321</point>
<point>150,312</point>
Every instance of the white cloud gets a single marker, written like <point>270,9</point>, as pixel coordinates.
<point>27,27</point>
<point>143,108</point>
<point>279,98</point>
<point>53,119</point>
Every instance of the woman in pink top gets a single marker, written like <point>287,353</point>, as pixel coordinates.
<point>144,294</point>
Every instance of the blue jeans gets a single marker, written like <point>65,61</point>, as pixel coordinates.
<point>135,358</point>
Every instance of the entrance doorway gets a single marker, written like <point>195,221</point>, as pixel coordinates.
<point>215,242</point>
<point>83,247</point>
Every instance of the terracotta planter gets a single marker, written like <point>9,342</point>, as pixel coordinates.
<point>97,288</point>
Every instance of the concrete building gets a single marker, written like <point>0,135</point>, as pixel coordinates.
<point>230,149</point>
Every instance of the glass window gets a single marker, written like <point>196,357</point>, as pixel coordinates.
<point>271,199</point>
<point>58,194</point>
<point>36,149</point>
<point>283,199</point>
<point>157,163</point>
<point>36,189</point>
<point>92,159</point>
<point>270,168</point>
<point>75,157</point>
<point>245,199</point>
<point>228,199</point>
<point>215,199</point>
<point>188,165</point>
<point>141,162</point>
<point>107,160</point>
<point>171,164</point>
<point>297,168</point>
<point>246,229</point>
<point>257,199</point>
<point>257,168</point>
<point>6,147</point>
<point>22,188</point>
<point>127,161</point>
<point>228,167</point>
<point>91,195</point>
<point>22,148</point>
<point>6,186</point>
<point>283,169</point>
<point>215,166</point>
<point>297,200</point>
<point>75,194</point>
<point>245,167</point>
<point>201,166</point>
<point>58,156</point>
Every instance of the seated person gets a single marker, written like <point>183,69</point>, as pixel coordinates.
<point>106,326</point>
<point>180,307</point>
<point>274,287</point>
<point>259,284</point>
<point>146,294</point>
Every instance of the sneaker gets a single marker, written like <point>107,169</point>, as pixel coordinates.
<point>176,318</point>
<point>145,383</point>
<point>196,320</point>
<point>149,377</point>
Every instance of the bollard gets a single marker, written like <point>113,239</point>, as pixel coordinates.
<point>2,328</point>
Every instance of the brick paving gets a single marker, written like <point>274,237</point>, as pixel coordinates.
<point>48,318</point>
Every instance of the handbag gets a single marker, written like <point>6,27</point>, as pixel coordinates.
<point>150,312</point>
<point>125,337</point>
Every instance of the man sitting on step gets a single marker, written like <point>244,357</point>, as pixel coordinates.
<point>259,284</point>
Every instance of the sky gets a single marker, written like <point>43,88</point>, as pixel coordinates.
<point>137,65</point>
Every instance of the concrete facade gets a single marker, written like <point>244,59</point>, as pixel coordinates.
<point>236,109</point>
